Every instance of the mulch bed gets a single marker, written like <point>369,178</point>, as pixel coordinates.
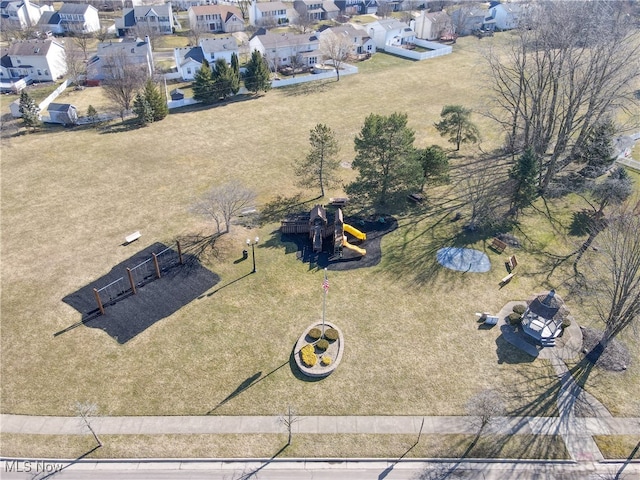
<point>158,299</point>
<point>614,358</point>
<point>375,229</point>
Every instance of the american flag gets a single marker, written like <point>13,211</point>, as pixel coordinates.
<point>325,284</point>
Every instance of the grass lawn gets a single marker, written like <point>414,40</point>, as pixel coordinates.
<point>69,196</point>
<point>619,446</point>
<point>265,446</point>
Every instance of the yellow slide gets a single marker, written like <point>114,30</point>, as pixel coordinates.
<point>350,246</point>
<point>355,232</point>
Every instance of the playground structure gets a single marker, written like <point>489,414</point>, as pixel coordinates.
<point>316,224</point>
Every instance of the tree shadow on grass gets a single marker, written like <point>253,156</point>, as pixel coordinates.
<point>258,377</point>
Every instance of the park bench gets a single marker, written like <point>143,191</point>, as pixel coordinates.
<point>506,279</point>
<point>498,245</point>
<point>511,264</point>
<point>132,238</point>
<point>338,201</point>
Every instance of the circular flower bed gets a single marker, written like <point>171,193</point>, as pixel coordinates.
<point>318,356</point>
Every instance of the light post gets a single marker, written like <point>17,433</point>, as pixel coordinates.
<point>253,252</point>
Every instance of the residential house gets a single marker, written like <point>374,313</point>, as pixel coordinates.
<point>22,14</point>
<point>12,79</point>
<point>470,19</point>
<point>216,18</point>
<point>362,43</point>
<point>507,15</point>
<point>349,7</point>
<point>62,113</point>
<point>267,14</point>
<point>189,59</point>
<point>286,49</point>
<point>316,10</point>
<point>50,22</point>
<point>41,60</point>
<point>79,18</point>
<point>432,25</point>
<point>153,19</point>
<point>390,32</point>
<point>132,51</point>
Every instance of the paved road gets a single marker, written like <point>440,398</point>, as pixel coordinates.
<point>336,470</point>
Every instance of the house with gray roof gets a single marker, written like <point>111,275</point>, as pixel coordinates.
<point>135,52</point>
<point>216,18</point>
<point>432,25</point>
<point>317,10</point>
<point>362,43</point>
<point>390,32</point>
<point>149,19</point>
<point>79,18</point>
<point>470,19</point>
<point>21,14</point>
<point>508,15</point>
<point>189,59</point>
<point>50,22</point>
<point>41,60</point>
<point>270,14</point>
<point>287,49</point>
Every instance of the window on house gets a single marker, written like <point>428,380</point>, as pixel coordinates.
<point>188,70</point>
<point>369,48</point>
<point>39,72</point>
<point>313,60</point>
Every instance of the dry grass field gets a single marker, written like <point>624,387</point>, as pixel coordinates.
<point>69,197</point>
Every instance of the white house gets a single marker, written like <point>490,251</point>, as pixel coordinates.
<point>50,22</point>
<point>432,25</point>
<point>189,59</point>
<point>150,18</point>
<point>216,18</point>
<point>390,32</point>
<point>362,43</point>
<point>134,52</point>
<point>316,10</point>
<point>42,60</point>
<point>22,14</point>
<point>264,14</point>
<point>507,15</point>
<point>79,18</point>
<point>287,50</point>
<point>467,19</point>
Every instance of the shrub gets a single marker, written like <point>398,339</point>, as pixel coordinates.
<point>325,360</point>
<point>514,318</point>
<point>331,334</point>
<point>566,323</point>
<point>308,354</point>
<point>519,309</point>
<point>315,333</point>
<point>322,344</point>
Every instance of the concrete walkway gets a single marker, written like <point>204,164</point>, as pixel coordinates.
<point>577,431</point>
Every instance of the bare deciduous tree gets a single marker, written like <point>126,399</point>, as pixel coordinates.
<point>336,48</point>
<point>86,411</point>
<point>289,419</point>
<point>222,203</point>
<point>614,285</point>
<point>485,406</point>
<point>566,71</point>
<point>81,40</point>
<point>76,63</point>
<point>122,80</point>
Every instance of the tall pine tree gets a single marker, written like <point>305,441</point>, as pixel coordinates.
<point>222,76</point>
<point>525,175</point>
<point>156,100</point>
<point>203,84</point>
<point>258,76</point>
<point>29,110</point>
<point>142,109</point>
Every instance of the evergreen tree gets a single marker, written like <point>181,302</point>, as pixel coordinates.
<point>142,109</point>
<point>319,167</point>
<point>258,76</point>
<point>222,76</point>
<point>385,158</point>
<point>456,123</point>
<point>29,110</point>
<point>598,151</point>
<point>235,68</point>
<point>435,165</point>
<point>156,100</point>
<point>525,174</point>
<point>203,87</point>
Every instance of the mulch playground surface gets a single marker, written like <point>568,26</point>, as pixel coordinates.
<point>132,314</point>
<point>375,227</point>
